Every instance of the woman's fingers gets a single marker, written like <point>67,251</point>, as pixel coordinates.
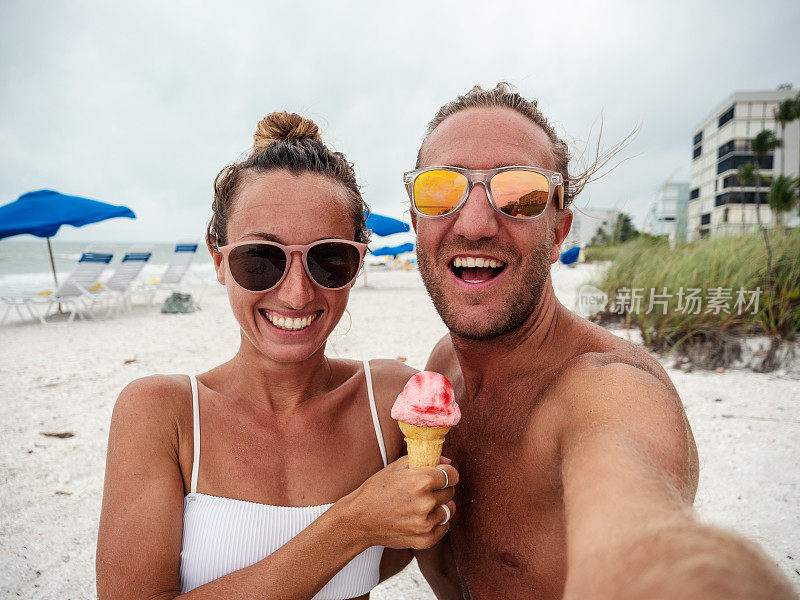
<point>404,507</point>
<point>443,496</point>
<point>442,514</point>
<point>445,476</point>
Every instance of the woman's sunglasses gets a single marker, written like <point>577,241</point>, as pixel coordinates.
<point>517,192</point>
<point>260,266</point>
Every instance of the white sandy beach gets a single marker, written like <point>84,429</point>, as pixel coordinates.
<point>66,379</point>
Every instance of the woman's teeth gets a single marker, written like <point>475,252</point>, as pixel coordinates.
<point>289,323</point>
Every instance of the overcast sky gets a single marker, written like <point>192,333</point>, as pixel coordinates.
<point>142,103</point>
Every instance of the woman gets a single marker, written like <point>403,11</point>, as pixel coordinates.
<point>264,477</point>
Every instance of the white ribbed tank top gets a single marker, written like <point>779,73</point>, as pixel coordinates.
<point>222,535</point>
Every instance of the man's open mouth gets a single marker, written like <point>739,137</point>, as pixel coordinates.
<point>476,269</point>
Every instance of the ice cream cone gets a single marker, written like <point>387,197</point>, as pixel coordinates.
<point>425,410</point>
<point>424,444</point>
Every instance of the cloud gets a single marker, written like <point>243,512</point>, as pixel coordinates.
<point>142,104</point>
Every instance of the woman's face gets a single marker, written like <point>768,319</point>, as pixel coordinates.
<point>288,209</point>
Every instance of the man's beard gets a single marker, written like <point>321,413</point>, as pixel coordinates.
<point>523,297</point>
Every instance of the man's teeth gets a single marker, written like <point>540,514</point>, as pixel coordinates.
<point>476,261</point>
<point>288,322</point>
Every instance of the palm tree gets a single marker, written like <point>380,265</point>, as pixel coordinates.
<point>785,113</point>
<point>781,197</point>
<point>746,175</point>
<point>761,145</point>
<point>796,113</point>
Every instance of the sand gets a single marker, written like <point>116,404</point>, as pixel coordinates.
<point>747,425</point>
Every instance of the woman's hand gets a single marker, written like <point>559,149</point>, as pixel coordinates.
<point>399,507</point>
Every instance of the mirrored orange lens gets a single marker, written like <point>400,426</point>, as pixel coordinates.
<point>438,192</point>
<point>520,193</point>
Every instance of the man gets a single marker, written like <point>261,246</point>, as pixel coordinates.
<point>577,464</point>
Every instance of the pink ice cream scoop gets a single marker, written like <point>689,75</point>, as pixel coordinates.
<point>427,400</point>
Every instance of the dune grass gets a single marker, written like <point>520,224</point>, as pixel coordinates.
<point>719,272</point>
<point>600,253</point>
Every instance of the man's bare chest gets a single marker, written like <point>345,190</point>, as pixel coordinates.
<point>508,534</point>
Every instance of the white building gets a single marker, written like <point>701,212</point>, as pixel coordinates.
<point>668,211</point>
<point>717,203</point>
<point>585,223</point>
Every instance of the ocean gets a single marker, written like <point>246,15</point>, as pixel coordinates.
<point>25,264</point>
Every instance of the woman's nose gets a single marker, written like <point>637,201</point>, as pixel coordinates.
<point>296,290</point>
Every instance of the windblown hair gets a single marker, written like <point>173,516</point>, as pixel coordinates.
<point>504,96</point>
<point>288,141</point>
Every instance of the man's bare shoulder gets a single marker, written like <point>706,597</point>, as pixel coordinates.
<point>443,356</point>
<point>624,396</point>
<point>443,360</point>
<point>591,376</point>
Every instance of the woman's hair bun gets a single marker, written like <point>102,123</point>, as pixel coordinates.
<point>283,126</point>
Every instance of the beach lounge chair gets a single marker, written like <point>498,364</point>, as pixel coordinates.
<point>114,295</point>
<point>70,297</point>
<point>175,274</point>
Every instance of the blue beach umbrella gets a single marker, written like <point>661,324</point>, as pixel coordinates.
<point>570,256</point>
<point>382,225</point>
<point>42,213</point>
<point>393,250</point>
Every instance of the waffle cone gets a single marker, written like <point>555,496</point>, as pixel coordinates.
<point>424,444</point>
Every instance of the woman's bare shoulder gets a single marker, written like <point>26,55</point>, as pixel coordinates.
<point>155,400</point>
<point>390,376</point>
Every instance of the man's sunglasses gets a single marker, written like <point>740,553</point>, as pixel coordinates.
<point>517,192</point>
<point>260,266</point>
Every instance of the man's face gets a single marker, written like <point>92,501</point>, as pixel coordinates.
<point>482,303</point>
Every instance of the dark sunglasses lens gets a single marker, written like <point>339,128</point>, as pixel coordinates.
<point>257,267</point>
<point>521,194</point>
<point>333,264</point>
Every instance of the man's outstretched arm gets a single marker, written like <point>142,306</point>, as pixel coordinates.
<point>629,475</point>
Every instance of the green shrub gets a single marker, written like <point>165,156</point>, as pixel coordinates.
<point>723,268</point>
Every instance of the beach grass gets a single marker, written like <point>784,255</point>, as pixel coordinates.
<point>600,253</point>
<point>707,289</point>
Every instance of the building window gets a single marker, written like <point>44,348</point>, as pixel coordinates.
<point>668,219</point>
<point>726,116</point>
<point>697,152</point>
<point>733,146</point>
<point>698,138</point>
<point>733,181</point>
<point>739,198</point>
<point>695,193</point>
<point>725,215</point>
<point>734,161</point>
<point>705,219</point>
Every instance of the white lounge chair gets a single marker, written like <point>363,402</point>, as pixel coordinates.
<point>70,297</point>
<point>114,295</point>
<point>176,273</point>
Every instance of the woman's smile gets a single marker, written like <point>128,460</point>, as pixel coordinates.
<point>290,321</point>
